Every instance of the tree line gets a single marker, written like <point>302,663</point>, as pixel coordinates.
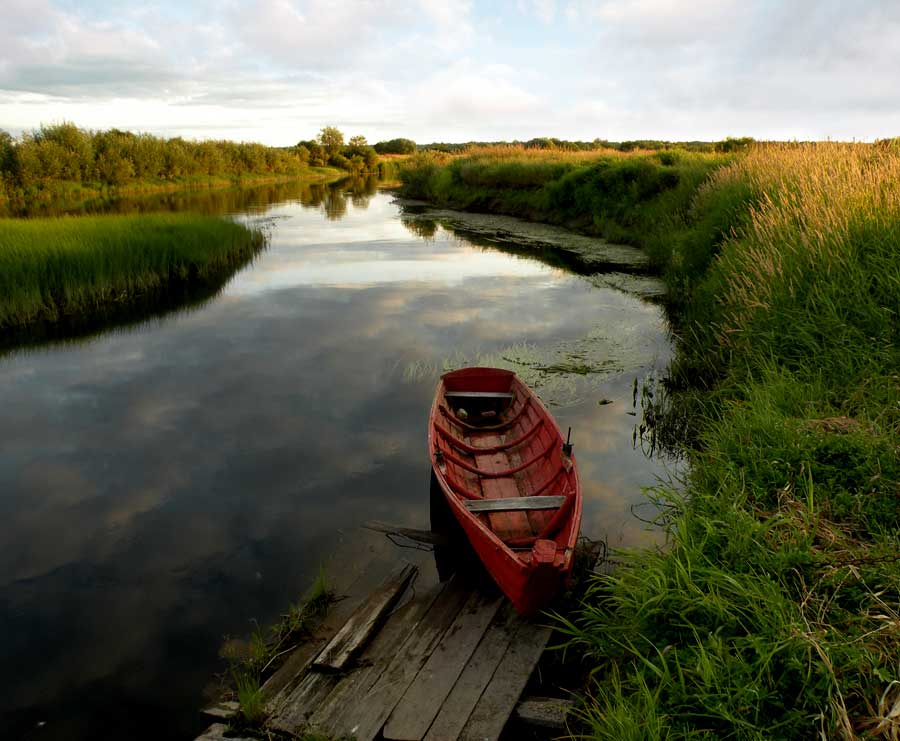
<point>729,144</point>
<point>42,159</point>
<point>64,152</point>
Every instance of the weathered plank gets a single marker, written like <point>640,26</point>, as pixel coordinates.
<point>544,712</point>
<point>512,504</point>
<point>420,705</point>
<point>340,713</point>
<point>478,394</point>
<point>420,536</point>
<point>294,710</point>
<point>475,677</point>
<point>369,562</point>
<point>374,708</point>
<point>500,696</point>
<point>367,618</point>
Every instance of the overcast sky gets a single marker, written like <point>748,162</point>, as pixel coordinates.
<point>276,71</point>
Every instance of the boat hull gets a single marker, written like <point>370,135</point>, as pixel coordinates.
<point>502,465</point>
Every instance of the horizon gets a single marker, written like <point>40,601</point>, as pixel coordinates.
<point>277,71</point>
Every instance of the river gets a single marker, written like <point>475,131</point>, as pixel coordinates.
<point>166,483</point>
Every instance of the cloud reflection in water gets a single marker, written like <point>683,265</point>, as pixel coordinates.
<point>162,486</point>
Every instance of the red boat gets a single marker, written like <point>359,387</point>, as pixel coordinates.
<point>510,480</point>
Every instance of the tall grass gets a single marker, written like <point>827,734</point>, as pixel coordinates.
<point>54,268</point>
<point>775,611</point>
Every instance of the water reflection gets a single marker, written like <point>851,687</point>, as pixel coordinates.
<point>162,486</point>
<point>331,198</point>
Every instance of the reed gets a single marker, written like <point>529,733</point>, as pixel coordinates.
<point>51,269</point>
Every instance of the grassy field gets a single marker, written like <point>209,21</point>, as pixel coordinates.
<point>774,610</point>
<point>54,268</point>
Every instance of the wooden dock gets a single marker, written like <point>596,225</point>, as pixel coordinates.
<point>412,658</point>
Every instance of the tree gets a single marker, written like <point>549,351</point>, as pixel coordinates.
<point>396,146</point>
<point>331,140</point>
<point>7,153</point>
<point>357,142</point>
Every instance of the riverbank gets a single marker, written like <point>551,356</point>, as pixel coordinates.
<point>54,269</point>
<point>774,608</point>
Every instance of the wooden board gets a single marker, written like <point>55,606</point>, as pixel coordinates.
<point>294,710</point>
<point>505,524</point>
<point>478,394</point>
<point>341,713</point>
<point>373,709</point>
<point>502,693</point>
<point>475,677</point>
<point>370,560</point>
<point>367,618</point>
<point>514,504</point>
<point>420,705</point>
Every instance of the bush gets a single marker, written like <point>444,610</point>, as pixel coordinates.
<point>396,146</point>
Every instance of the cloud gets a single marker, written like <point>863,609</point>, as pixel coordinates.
<point>277,70</point>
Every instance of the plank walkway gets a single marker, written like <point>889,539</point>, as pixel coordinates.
<point>407,660</point>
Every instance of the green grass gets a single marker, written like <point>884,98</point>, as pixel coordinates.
<point>254,660</point>
<point>251,702</point>
<point>774,609</point>
<point>51,269</point>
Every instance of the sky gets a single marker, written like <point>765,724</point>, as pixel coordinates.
<point>277,71</point>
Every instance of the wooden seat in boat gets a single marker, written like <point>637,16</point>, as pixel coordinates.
<point>513,504</point>
<point>478,394</point>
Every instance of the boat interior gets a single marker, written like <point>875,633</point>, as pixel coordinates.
<point>501,454</point>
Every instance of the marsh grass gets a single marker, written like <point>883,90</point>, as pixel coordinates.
<point>51,269</point>
<point>775,610</point>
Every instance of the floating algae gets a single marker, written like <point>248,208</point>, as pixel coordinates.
<point>564,373</point>
<point>585,254</point>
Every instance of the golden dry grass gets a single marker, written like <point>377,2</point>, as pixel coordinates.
<point>813,199</point>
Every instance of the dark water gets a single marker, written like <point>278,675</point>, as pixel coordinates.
<point>163,484</point>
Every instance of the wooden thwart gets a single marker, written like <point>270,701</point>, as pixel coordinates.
<point>362,623</point>
<point>514,504</point>
<point>478,394</point>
